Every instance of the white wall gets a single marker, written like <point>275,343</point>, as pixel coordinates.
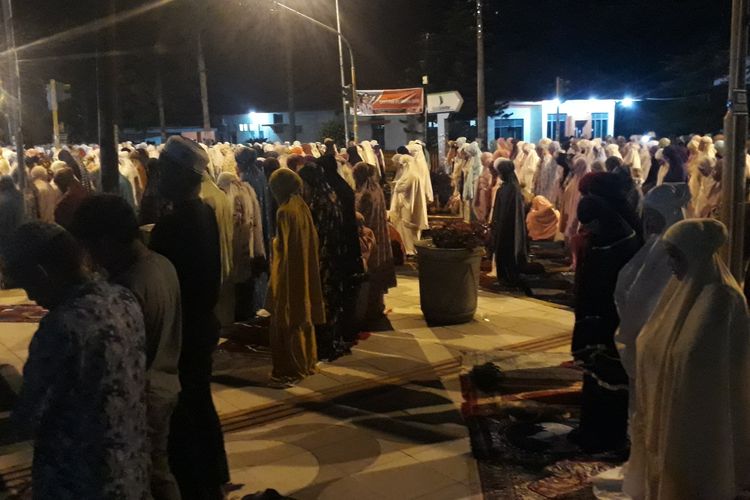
<point>516,112</point>
<point>579,109</point>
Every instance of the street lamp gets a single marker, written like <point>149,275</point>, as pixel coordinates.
<point>342,38</point>
<point>343,78</point>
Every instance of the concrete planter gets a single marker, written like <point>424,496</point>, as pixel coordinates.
<point>448,283</point>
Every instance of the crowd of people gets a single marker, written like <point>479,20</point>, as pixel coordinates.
<point>138,284</point>
<point>662,331</point>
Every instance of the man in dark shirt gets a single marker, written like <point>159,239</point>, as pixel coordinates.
<point>189,238</point>
<point>106,225</point>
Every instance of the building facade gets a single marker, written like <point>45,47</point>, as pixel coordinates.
<point>390,131</point>
<point>532,121</point>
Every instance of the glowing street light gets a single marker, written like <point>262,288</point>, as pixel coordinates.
<point>627,102</point>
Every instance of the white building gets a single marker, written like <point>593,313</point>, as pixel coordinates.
<point>390,131</point>
<point>533,121</point>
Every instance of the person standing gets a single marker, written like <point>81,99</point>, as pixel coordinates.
<point>610,243</point>
<point>83,398</point>
<point>108,229</point>
<point>691,426</point>
<point>295,293</point>
<point>327,212</point>
<point>345,193</point>
<point>46,195</point>
<point>72,196</point>
<point>189,238</point>
<point>11,208</point>
<point>370,202</point>
<point>408,210</point>
<point>509,227</point>
<point>249,252</point>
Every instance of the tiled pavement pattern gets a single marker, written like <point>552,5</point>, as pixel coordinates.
<point>382,423</point>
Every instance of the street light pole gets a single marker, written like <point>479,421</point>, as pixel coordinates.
<point>558,87</point>
<point>343,77</point>
<point>14,90</point>
<point>204,85</point>
<point>355,125</point>
<point>735,126</point>
<point>481,106</point>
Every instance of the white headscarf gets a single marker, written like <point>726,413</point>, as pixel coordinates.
<point>643,279</point>
<point>691,427</point>
<point>424,171</point>
<point>528,167</point>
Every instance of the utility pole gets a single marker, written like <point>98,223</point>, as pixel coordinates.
<point>735,127</point>
<point>558,89</point>
<point>108,110</point>
<point>14,90</point>
<point>289,62</point>
<point>343,78</point>
<point>425,83</point>
<point>55,113</point>
<point>160,104</point>
<point>204,85</point>
<point>481,107</point>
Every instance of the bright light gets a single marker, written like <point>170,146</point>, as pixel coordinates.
<point>592,98</point>
<point>627,102</point>
<point>252,117</point>
<point>555,102</point>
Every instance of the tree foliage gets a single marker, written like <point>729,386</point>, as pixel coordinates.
<point>333,129</point>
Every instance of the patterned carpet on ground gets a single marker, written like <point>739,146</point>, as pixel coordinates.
<point>21,313</point>
<point>519,424</point>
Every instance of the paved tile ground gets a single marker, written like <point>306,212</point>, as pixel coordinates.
<point>394,441</point>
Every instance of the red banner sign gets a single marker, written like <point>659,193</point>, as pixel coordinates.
<point>390,102</point>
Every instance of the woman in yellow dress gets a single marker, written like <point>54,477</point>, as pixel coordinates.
<point>295,295</point>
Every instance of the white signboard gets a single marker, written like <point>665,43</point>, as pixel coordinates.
<point>444,102</point>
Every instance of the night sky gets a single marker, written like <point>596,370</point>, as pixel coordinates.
<point>606,48</point>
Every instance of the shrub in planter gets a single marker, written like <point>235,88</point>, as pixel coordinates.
<point>449,267</point>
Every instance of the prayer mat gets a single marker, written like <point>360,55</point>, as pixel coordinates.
<point>21,313</point>
<point>547,277</point>
<point>519,426</point>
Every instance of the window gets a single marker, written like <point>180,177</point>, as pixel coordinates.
<point>509,128</point>
<point>551,130</point>
<point>278,118</point>
<point>243,127</point>
<point>599,124</point>
<point>378,133</point>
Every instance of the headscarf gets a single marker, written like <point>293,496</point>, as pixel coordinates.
<point>643,279</point>
<point>473,170</point>
<point>542,220</point>
<point>509,226</point>
<point>528,167</point>
<point>353,153</point>
<point>668,201</point>
<point>416,150</point>
<point>345,194</point>
<point>610,226</point>
<point>676,165</point>
<point>284,184</point>
<point>39,173</point>
<point>363,174</point>
<point>693,360</point>
<point>370,203</point>
<point>571,196</point>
